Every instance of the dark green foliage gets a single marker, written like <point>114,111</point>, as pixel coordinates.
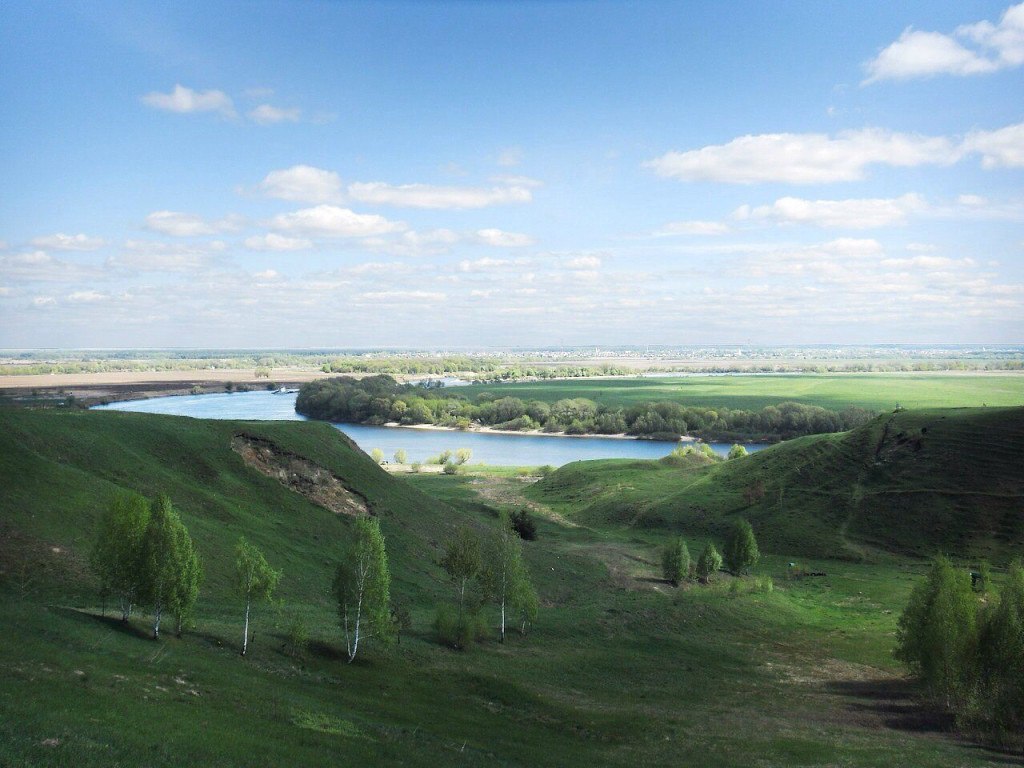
<point>1001,700</point>
<point>462,562</point>
<point>741,552</point>
<point>458,631</point>
<point>708,563</point>
<point>937,634</point>
<point>675,561</point>
<point>116,557</point>
<point>523,524</point>
<point>379,399</point>
<point>170,571</point>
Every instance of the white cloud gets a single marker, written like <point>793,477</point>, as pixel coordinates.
<point>428,196</point>
<point>179,224</point>
<point>850,214</point>
<point>62,242</point>
<point>1002,148</point>
<point>501,239</point>
<point>43,301</point>
<point>185,100</point>
<point>488,264</point>
<point>583,262</point>
<point>804,158</point>
<point>332,221</point>
<point>692,228</point>
<point>87,297</point>
<point>267,274</point>
<point>39,266</point>
<point>510,156</point>
<point>156,256</point>
<point>973,49</point>
<point>403,296</point>
<point>302,183</point>
<point>275,242</point>
<point>266,114</point>
<point>517,181</point>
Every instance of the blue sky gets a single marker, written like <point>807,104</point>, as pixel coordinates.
<point>538,173</point>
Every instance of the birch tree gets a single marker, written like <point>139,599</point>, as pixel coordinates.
<point>161,561</point>
<point>256,580</point>
<point>362,585</point>
<point>462,563</point>
<point>503,567</point>
<point>524,604</point>
<point>190,576</point>
<point>116,556</point>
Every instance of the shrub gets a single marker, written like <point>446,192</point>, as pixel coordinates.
<point>415,466</point>
<point>296,638</point>
<point>737,452</point>
<point>524,524</point>
<point>675,561</point>
<point>450,468</point>
<point>708,563</point>
<point>456,634</point>
<point>741,551</point>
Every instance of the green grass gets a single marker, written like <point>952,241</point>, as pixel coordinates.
<point>620,670</point>
<point>912,483</point>
<point>875,391</point>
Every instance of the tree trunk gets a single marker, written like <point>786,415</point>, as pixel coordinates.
<point>156,622</point>
<point>502,619</point>
<point>355,645</point>
<point>245,633</point>
<point>180,624</point>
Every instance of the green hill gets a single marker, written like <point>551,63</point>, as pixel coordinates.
<point>911,482</point>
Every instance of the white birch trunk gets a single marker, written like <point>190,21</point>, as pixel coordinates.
<point>245,631</point>
<point>156,621</point>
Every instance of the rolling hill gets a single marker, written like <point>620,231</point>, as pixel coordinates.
<point>909,482</point>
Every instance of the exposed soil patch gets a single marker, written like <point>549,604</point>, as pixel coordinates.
<point>299,474</point>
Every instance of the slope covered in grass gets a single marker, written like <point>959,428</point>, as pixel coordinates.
<point>911,482</point>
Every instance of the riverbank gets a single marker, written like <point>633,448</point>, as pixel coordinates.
<point>479,429</point>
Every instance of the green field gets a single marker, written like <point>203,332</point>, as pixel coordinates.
<point>620,670</point>
<point>876,391</point>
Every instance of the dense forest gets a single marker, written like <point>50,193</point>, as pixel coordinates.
<point>381,400</point>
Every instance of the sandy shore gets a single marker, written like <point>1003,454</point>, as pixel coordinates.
<point>530,432</point>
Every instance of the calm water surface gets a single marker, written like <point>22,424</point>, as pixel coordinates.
<point>420,444</point>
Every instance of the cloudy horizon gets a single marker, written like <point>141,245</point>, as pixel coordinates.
<point>484,175</point>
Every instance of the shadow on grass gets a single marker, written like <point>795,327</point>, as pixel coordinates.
<point>896,704</point>
<point>113,623</point>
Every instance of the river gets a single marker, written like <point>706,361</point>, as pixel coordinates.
<point>419,444</point>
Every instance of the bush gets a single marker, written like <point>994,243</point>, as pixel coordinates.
<point>708,563</point>
<point>741,552</point>
<point>675,561</point>
<point>458,635</point>
<point>737,452</point>
<point>524,524</point>
<point>450,468</point>
<point>296,638</point>
<point>546,470</point>
<point>415,466</point>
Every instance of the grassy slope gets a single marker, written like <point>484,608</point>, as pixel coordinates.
<point>620,670</point>
<point>913,482</point>
<point>876,391</point>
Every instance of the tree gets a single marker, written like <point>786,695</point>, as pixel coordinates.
<point>503,568</point>
<point>190,576</point>
<point>462,455</point>
<point>675,561</point>
<point>162,559</point>
<point>116,556</point>
<point>524,604</point>
<point>362,586</point>
<point>741,552</point>
<point>255,580</point>
<point>401,456</point>
<point>1002,655</point>
<point>708,563</point>
<point>936,636</point>
<point>462,563</point>
<point>737,451</point>
<point>377,455</point>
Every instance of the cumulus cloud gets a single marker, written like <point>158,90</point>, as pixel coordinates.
<point>701,228</point>
<point>402,297</point>
<point>850,214</point>
<point>87,297</point>
<point>333,221</point>
<point>1002,148</point>
<point>302,183</point>
<point>185,100</point>
<point>274,242</point>
<point>972,49</point>
<point>178,224</point>
<point>266,114</point>
<point>62,242</point>
<point>39,266</point>
<point>583,262</point>
<point>429,196</point>
<point>804,158</point>
<point>501,239</point>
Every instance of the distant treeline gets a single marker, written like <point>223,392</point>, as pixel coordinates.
<point>380,399</point>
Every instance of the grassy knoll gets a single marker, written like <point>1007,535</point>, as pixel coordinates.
<point>621,670</point>
<point>913,482</point>
<point>876,391</point>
